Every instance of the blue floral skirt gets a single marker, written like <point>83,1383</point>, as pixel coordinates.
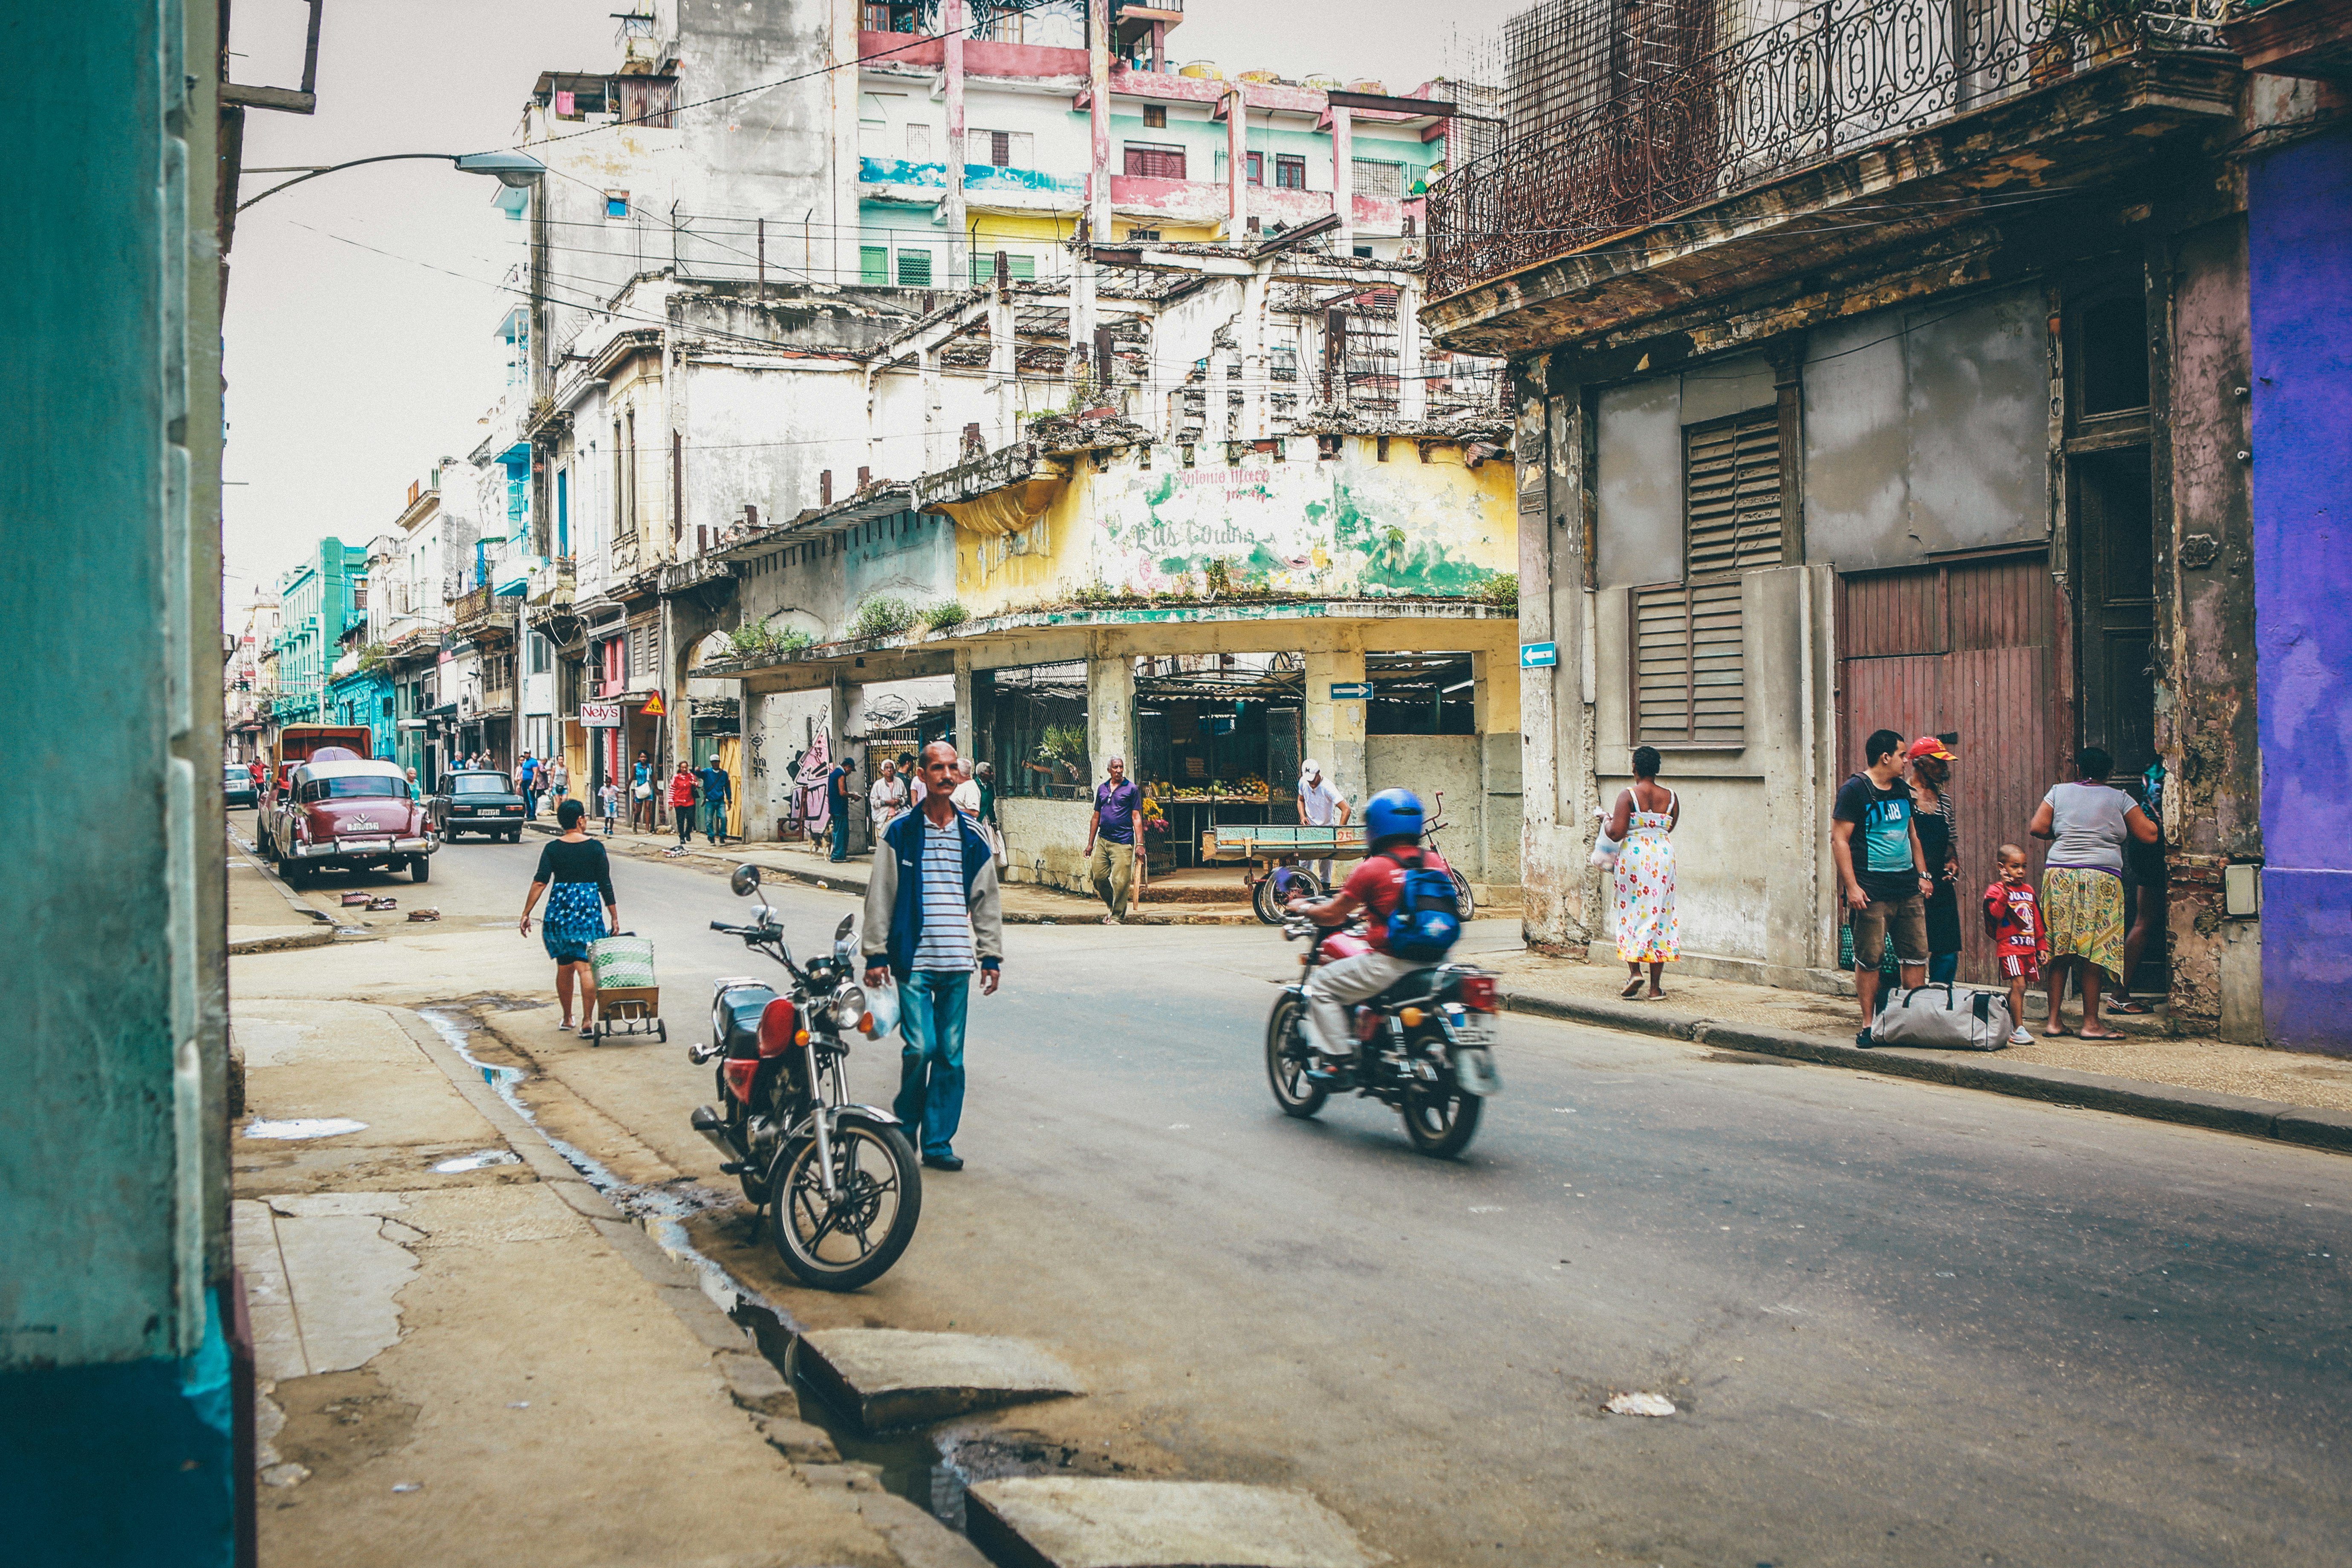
<point>574,918</point>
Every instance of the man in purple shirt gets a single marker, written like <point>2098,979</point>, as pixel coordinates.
<point>1110,839</point>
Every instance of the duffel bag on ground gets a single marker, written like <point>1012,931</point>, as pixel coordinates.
<point>623,962</point>
<point>1940,1018</point>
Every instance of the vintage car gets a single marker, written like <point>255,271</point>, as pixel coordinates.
<point>237,785</point>
<point>353,815</point>
<point>477,802</point>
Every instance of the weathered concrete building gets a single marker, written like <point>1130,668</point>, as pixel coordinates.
<point>1920,406</point>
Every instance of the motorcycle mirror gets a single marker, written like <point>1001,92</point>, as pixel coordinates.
<point>745,880</point>
<point>840,933</point>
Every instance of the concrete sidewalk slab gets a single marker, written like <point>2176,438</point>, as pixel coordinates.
<point>1054,1522</point>
<point>884,1378</point>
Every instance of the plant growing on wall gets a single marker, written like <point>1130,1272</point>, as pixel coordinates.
<point>764,639</point>
<point>1502,588</point>
<point>882,616</point>
<point>1219,574</point>
<point>945,613</point>
<point>372,655</point>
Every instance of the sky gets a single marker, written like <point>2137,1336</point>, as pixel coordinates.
<point>360,305</point>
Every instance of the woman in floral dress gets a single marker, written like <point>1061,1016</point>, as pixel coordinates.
<point>1647,930</point>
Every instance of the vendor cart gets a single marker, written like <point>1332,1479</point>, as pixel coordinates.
<point>628,1002</point>
<point>1262,848</point>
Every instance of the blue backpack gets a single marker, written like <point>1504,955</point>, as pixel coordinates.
<point>1427,919</point>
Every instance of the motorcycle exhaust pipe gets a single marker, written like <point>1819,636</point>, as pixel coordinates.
<point>713,1126</point>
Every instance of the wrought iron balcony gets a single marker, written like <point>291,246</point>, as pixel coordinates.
<point>1834,78</point>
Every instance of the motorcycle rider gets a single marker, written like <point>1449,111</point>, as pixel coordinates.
<point>1392,822</point>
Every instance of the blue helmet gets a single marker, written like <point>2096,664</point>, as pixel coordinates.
<point>1393,814</point>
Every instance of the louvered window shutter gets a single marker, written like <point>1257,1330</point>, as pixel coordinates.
<point>1689,678</point>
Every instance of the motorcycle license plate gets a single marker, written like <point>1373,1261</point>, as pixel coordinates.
<point>1473,1070</point>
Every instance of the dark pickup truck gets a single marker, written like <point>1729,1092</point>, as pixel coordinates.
<point>484,802</point>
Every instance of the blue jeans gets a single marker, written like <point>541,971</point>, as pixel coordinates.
<point>930,1015</point>
<point>840,834</point>
<point>714,819</point>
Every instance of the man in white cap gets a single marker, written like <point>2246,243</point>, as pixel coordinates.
<point>1319,805</point>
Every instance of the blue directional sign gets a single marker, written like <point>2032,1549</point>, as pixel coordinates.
<point>1351,691</point>
<point>1538,654</point>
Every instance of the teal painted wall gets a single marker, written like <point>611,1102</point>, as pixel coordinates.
<point>114,1409</point>
<point>317,607</point>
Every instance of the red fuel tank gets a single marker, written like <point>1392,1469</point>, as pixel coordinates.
<point>1342,944</point>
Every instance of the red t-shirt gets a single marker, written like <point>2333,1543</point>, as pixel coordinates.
<point>1377,884</point>
<point>2013,919</point>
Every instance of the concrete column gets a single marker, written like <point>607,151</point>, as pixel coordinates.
<point>1335,730</point>
<point>1343,177</point>
<point>1001,369</point>
<point>842,88</point>
<point>952,23</point>
<point>1255,369</point>
<point>1413,392</point>
<point>1098,115</point>
<point>1224,371</point>
<point>967,721</point>
<point>1236,165</point>
<point>928,362</point>
<point>1110,709</point>
<point>848,703</point>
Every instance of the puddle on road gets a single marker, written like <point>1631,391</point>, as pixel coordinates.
<point>479,1161</point>
<point>305,1127</point>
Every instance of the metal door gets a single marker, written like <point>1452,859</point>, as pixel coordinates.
<point>1962,647</point>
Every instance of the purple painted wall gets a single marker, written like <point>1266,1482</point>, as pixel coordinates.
<point>2299,256</point>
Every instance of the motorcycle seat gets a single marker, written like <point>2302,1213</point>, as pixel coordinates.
<point>1412,988</point>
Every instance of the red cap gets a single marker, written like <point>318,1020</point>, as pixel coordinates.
<point>1929,746</point>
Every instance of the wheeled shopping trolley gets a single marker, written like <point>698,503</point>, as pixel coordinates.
<point>628,1001</point>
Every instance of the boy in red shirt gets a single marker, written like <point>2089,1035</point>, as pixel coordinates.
<point>2013,919</point>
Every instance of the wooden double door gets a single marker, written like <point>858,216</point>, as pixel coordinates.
<point>1966,647</point>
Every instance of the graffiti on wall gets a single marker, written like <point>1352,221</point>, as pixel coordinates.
<point>1310,528</point>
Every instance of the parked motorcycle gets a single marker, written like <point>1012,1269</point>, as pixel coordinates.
<point>839,1184</point>
<point>1425,1045</point>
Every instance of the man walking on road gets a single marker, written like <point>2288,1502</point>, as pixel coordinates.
<point>717,789</point>
<point>931,913</point>
<point>1110,838</point>
<point>527,785</point>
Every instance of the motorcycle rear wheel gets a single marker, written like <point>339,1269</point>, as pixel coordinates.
<point>1440,1118</point>
<point>1287,1060</point>
<point>855,1240</point>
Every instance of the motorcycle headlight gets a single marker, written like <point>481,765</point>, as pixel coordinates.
<point>848,1004</point>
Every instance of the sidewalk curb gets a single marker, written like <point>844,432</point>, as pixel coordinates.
<point>753,1382</point>
<point>288,942</point>
<point>2305,1126</point>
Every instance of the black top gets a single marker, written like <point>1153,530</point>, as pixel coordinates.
<point>1880,845</point>
<point>582,862</point>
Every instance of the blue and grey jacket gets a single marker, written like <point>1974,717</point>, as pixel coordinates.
<point>894,905</point>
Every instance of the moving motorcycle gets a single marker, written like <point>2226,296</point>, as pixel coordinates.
<point>1425,1045</point>
<point>840,1185</point>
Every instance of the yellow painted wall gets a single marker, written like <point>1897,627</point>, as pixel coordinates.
<point>1351,526</point>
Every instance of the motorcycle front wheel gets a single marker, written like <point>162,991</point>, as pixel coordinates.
<point>854,1239</point>
<point>1440,1118</point>
<point>1286,1057</point>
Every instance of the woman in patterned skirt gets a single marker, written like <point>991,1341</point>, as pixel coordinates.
<point>2083,884</point>
<point>1647,930</point>
<point>576,878</point>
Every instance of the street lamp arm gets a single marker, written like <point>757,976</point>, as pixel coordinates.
<point>506,166</point>
<point>332,168</point>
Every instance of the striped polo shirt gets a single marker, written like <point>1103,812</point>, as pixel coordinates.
<point>946,942</point>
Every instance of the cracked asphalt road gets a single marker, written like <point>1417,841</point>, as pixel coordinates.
<point>1899,1323</point>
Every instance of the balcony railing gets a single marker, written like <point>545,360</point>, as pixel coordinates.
<point>1833,78</point>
